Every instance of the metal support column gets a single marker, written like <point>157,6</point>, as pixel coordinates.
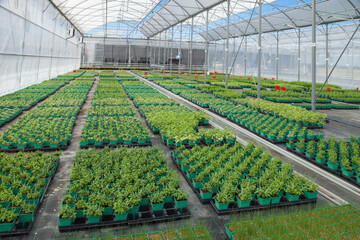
<point>259,52</point>
<point>171,50</point>
<point>179,51</point>
<point>191,46</point>
<point>227,44</point>
<point>277,55</point>
<point>313,58</point>
<point>245,55</point>
<point>234,56</point>
<point>165,47</point>
<point>299,59</point>
<point>129,62</point>
<point>215,57</point>
<point>206,46</point>
<point>327,52</point>
<point>159,53</point>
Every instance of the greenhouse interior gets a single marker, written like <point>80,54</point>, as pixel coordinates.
<point>170,119</point>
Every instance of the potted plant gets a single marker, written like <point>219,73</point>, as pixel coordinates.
<point>222,200</point>
<point>293,189</point>
<point>290,144</point>
<point>69,200</point>
<point>311,189</point>
<point>121,210</point>
<point>180,198</point>
<point>310,149</point>
<point>66,215</point>
<point>27,212</point>
<point>94,213</point>
<point>80,208</point>
<point>244,198</point>
<point>7,220</point>
<point>300,146</point>
<point>206,192</point>
<point>157,201</point>
<point>263,196</point>
<point>332,162</point>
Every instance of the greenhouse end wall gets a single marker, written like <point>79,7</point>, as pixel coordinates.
<point>35,44</point>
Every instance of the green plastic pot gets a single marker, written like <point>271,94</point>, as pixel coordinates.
<point>333,166</point>
<point>157,206</point>
<point>292,198</point>
<point>134,210</point>
<point>79,213</point>
<point>93,219</point>
<point>23,218</point>
<point>275,200</point>
<point>108,211</point>
<point>168,199</point>
<point>206,195</point>
<point>263,201</point>
<point>310,155</point>
<point>65,222</point>
<point>299,150</point>
<point>197,184</point>
<point>5,227</point>
<point>181,204</point>
<point>144,201</point>
<point>347,173</point>
<point>121,216</point>
<point>321,161</point>
<point>243,204</point>
<point>191,176</point>
<point>310,195</point>
<point>83,144</point>
<point>221,206</point>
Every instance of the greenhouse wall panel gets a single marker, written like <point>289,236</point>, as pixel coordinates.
<point>31,44</point>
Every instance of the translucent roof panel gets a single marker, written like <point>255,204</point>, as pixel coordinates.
<point>173,13</point>
<point>284,17</point>
<point>87,15</point>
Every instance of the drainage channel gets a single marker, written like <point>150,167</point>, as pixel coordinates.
<point>335,198</point>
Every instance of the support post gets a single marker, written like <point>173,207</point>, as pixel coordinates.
<point>327,51</point>
<point>179,51</point>
<point>313,58</point>
<point>277,55</point>
<point>299,59</point>
<point>259,52</point>
<point>191,46</point>
<point>171,50</point>
<point>234,57</point>
<point>245,55</point>
<point>227,44</point>
<point>215,57</point>
<point>165,48</point>
<point>129,62</point>
<point>159,53</point>
<point>206,46</point>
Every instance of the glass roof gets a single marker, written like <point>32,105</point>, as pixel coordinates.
<point>148,18</point>
<point>283,15</point>
<point>88,15</point>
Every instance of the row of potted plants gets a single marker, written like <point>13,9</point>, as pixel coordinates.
<point>176,124</point>
<point>27,97</point>
<point>112,119</point>
<point>24,178</point>
<point>275,128</point>
<point>337,155</point>
<point>270,127</point>
<point>245,175</point>
<point>117,183</point>
<point>47,126</point>
<point>341,222</point>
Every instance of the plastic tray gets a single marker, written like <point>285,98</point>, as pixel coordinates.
<point>335,172</point>
<point>145,215</point>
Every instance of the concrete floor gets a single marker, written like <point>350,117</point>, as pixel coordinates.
<point>46,221</point>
